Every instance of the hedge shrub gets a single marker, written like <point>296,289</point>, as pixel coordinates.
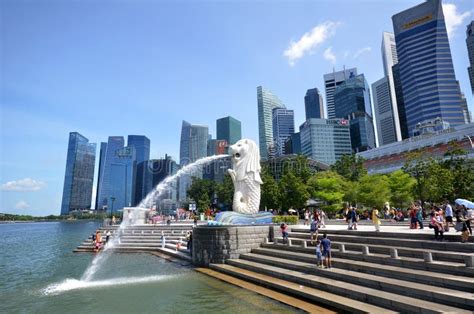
<point>291,220</point>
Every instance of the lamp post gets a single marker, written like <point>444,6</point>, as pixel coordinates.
<point>112,209</point>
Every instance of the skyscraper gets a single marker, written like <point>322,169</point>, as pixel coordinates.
<point>193,143</point>
<point>228,129</point>
<point>331,81</point>
<point>193,146</point>
<point>352,102</point>
<point>470,52</point>
<point>325,140</point>
<point>383,112</point>
<point>266,102</point>
<point>116,186</point>
<point>283,124</point>
<point>400,102</point>
<point>79,176</point>
<point>426,67</point>
<point>313,104</point>
<point>141,144</point>
<point>389,59</point>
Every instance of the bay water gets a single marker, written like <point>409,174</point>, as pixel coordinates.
<point>39,273</point>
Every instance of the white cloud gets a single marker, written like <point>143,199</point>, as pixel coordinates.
<point>453,18</point>
<point>310,40</point>
<point>23,185</point>
<point>22,205</point>
<point>329,55</point>
<point>362,51</point>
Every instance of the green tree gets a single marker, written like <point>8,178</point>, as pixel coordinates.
<point>373,190</point>
<point>270,194</point>
<point>461,168</point>
<point>438,184</point>
<point>350,167</point>
<point>417,166</point>
<point>350,192</point>
<point>293,191</point>
<point>329,187</point>
<point>225,191</point>
<point>401,189</point>
<point>202,192</point>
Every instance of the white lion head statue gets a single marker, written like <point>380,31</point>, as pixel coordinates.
<point>246,159</point>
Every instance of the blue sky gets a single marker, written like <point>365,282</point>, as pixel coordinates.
<point>140,67</point>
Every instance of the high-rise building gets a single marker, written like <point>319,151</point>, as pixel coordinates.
<point>293,144</point>
<point>465,110</point>
<point>193,146</point>
<point>389,59</point>
<point>283,121</point>
<point>470,52</point>
<point>383,112</point>
<point>266,102</point>
<point>400,102</point>
<point>313,104</point>
<point>426,67</point>
<point>114,143</point>
<point>141,144</point>
<point>103,150</point>
<point>352,102</point>
<point>228,129</point>
<point>325,140</point>
<point>331,81</point>
<point>216,147</point>
<point>117,186</point>
<point>79,176</point>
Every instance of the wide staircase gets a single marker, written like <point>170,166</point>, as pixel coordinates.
<point>144,238</point>
<point>371,272</point>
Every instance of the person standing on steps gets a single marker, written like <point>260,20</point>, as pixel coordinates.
<point>326,244</point>
<point>419,216</point>
<point>306,217</point>
<point>313,228</point>
<point>284,232</point>
<point>448,212</point>
<point>322,218</point>
<point>163,239</point>
<point>376,219</point>
<point>319,256</point>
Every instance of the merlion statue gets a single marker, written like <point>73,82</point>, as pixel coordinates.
<point>245,176</point>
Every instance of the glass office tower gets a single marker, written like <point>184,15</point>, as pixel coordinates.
<point>228,129</point>
<point>426,67</point>
<point>352,102</point>
<point>331,81</point>
<point>266,102</point>
<point>79,176</point>
<point>313,104</point>
<point>283,121</point>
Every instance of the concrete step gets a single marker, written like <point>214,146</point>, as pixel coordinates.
<point>318,296</point>
<point>441,280</point>
<point>364,294</point>
<point>445,253</point>
<point>457,269</point>
<point>383,234</point>
<point>394,242</point>
<point>400,287</point>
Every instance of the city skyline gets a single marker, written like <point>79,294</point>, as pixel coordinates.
<point>47,82</point>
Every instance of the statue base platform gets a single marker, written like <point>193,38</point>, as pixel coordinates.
<point>233,218</point>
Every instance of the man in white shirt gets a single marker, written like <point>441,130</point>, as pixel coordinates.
<point>448,211</point>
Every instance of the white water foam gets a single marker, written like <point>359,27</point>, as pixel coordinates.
<point>102,257</point>
<point>74,284</point>
<point>165,184</point>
